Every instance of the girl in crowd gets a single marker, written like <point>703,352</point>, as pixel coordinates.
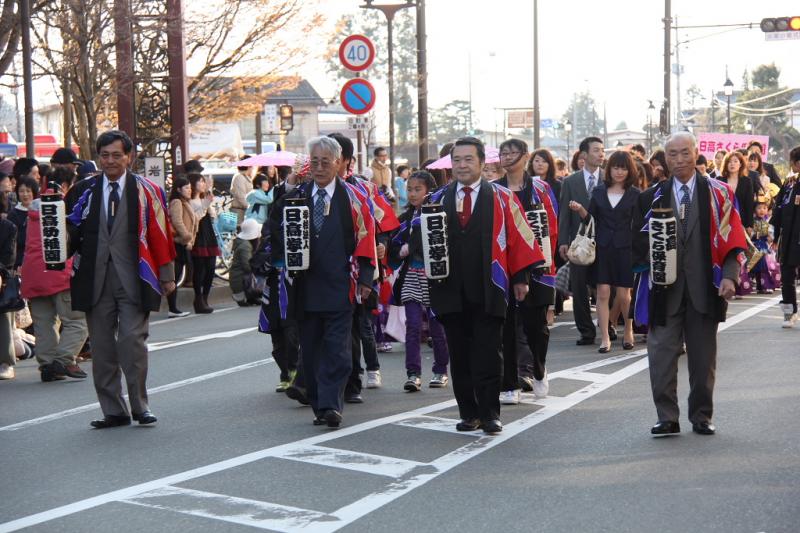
<point>259,199</point>
<point>184,225</point>
<point>27,190</point>
<point>734,173</point>
<point>658,162</point>
<point>764,190</point>
<point>767,271</point>
<point>578,160</point>
<point>612,206</point>
<point>205,249</point>
<point>411,287</point>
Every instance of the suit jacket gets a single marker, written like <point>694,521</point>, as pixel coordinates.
<point>94,246</point>
<point>572,188</point>
<point>786,220</point>
<point>695,276</point>
<point>613,224</point>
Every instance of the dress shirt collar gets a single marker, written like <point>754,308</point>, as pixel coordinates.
<point>329,189</point>
<point>121,181</point>
<point>474,186</point>
<point>676,188</point>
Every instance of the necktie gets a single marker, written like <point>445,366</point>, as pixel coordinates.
<point>319,210</point>
<point>590,187</point>
<point>686,203</point>
<point>113,204</point>
<point>466,207</point>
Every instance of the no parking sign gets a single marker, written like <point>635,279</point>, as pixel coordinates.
<point>358,96</point>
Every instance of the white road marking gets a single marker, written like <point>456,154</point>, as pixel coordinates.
<point>154,347</point>
<point>177,318</point>
<point>308,520</point>
<point>358,461</point>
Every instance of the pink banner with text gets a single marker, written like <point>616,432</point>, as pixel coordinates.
<point>710,143</point>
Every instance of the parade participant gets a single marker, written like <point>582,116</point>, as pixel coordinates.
<point>411,288</point>
<point>710,241</point>
<point>241,184</point>
<point>525,368</point>
<point>125,267</point>
<point>493,171</point>
<point>734,173</point>
<point>719,156</point>
<point>701,165</point>
<point>578,187</point>
<point>260,199</point>
<point>205,248</point>
<point>578,161</point>
<point>612,206</point>
<point>491,248</point>
<point>27,190</point>
<point>766,270</point>
<point>339,275</point>
<point>786,221</point>
<point>60,331</point>
<point>769,169</point>
<point>660,169</point>
<point>184,226</point>
<point>638,153</point>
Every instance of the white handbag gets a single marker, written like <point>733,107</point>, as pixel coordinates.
<point>582,249</point>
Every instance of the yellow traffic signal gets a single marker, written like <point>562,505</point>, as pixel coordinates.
<point>770,25</point>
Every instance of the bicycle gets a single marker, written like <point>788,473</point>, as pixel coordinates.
<point>225,231</point>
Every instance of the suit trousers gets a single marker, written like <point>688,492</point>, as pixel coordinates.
<point>664,344</point>
<point>7,352</point>
<point>50,312</point>
<point>532,347</point>
<point>579,284</point>
<point>285,349</point>
<point>362,338</point>
<point>476,362</point>
<point>788,290</point>
<point>327,360</point>
<point>118,328</point>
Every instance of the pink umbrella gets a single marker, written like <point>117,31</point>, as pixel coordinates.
<point>275,159</point>
<point>492,156</point>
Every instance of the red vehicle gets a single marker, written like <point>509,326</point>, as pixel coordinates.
<point>44,145</point>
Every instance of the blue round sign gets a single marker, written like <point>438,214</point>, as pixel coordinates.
<point>358,96</point>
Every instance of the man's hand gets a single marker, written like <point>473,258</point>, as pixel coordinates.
<point>381,249</point>
<point>727,288</point>
<point>562,250</point>
<point>520,291</point>
<point>404,251</point>
<point>168,287</point>
<point>364,291</point>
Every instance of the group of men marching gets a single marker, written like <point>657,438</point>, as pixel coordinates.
<point>322,250</point>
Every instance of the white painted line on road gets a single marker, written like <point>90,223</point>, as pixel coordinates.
<point>242,511</point>
<point>169,386</point>
<point>200,338</point>
<point>367,463</point>
<point>435,423</point>
<point>177,318</point>
<point>551,406</point>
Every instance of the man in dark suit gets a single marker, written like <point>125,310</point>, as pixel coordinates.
<point>339,276</point>
<point>578,187</point>
<point>485,257</point>
<point>121,272</point>
<point>690,309</point>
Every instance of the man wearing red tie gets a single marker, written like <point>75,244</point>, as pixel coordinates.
<point>491,250</point>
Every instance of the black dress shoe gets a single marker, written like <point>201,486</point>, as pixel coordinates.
<point>333,418</point>
<point>353,397</point>
<point>298,394</point>
<point>468,424</point>
<point>492,426</point>
<point>627,346</point>
<point>319,421</point>
<point>665,428</point>
<point>584,341</point>
<point>145,418</point>
<point>604,349</point>
<point>111,421</point>
<point>704,428</point>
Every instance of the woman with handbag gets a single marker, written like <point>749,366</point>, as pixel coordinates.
<point>612,207</point>
<point>8,284</point>
<point>205,249</point>
<point>184,225</point>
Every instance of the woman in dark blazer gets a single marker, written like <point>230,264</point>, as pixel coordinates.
<point>735,174</point>
<point>612,206</point>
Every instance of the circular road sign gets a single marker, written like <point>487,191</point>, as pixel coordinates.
<point>358,96</point>
<point>356,53</point>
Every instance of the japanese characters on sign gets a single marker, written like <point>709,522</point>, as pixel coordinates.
<point>663,247</point>
<point>709,144</point>
<point>54,231</point>
<point>433,223</point>
<point>537,220</point>
<point>155,170</point>
<point>297,235</point>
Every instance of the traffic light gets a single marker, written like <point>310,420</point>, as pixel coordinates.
<point>770,25</point>
<point>287,117</point>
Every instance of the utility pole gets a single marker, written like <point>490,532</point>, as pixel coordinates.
<point>422,84</point>
<point>679,115</point>
<point>667,67</point>
<point>536,111</point>
<point>27,73</point>
<point>178,105</point>
<point>125,81</point>
<point>259,136</point>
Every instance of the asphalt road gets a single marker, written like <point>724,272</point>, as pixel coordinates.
<point>229,454</point>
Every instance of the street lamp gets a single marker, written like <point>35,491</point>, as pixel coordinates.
<point>748,126</point>
<point>568,130</point>
<point>389,11</point>
<point>650,109</point>
<point>728,92</point>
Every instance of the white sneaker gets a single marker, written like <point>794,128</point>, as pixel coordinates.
<point>7,371</point>
<point>789,316</point>
<point>541,387</point>
<point>373,379</point>
<point>509,397</point>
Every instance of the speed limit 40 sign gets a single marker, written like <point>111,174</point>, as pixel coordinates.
<point>356,53</point>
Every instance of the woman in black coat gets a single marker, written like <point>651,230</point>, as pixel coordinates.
<point>612,206</point>
<point>735,174</point>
